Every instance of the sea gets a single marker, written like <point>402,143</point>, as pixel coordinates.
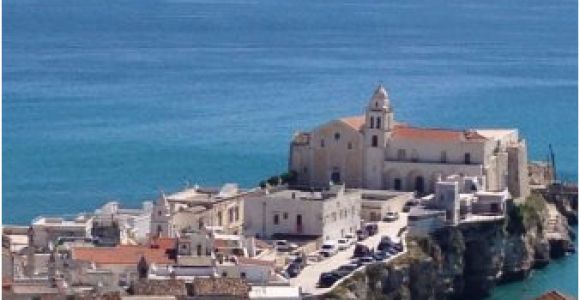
<point>124,100</point>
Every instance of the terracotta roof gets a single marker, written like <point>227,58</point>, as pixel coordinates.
<point>164,243</point>
<point>123,255</point>
<point>407,132</point>
<point>553,295</point>
<point>403,131</point>
<point>356,122</point>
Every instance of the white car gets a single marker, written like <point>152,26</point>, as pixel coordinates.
<point>351,238</point>
<point>329,248</point>
<point>284,245</point>
<point>343,244</point>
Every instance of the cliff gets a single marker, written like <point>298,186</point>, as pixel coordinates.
<point>464,261</point>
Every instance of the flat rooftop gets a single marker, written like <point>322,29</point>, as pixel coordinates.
<point>382,194</point>
<point>207,195</point>
<point>496,133</point>
<point>80,221</point>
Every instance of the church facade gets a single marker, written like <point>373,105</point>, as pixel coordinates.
<point>374,151</point>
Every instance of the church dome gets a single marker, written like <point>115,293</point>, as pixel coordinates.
<point>380,98</point>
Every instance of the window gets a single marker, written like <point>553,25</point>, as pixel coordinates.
<point>337,136</point>
<point>243,275</point>
<point>397,184</point>
<point>237,213</point>
<point>375,141</point>
<point>231,215</point>
<point>285,216</point>
<point>198,250</point>
<point>443,156</point>
<point>159,229</point>
<point>372,122</point>
<point>200,223</point>
<point>467,158</point>
<point>414,155</point>
<point>401,154</point>
<point>305,170</point>
<point>349,145</point>
<point>322,143</point>
<point>378,122</point>
<point>219,217</point>
<point>276,219</point>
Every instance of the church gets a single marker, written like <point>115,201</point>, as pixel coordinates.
<point>374,151</point>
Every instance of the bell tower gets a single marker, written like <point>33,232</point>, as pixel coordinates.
<point>378,126</point>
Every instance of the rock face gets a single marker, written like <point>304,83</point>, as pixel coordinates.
<point>464,261</point>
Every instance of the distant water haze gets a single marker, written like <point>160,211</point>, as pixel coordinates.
<point>122,99</point>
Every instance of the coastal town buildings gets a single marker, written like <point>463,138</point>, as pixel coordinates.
<point>196,208</point>
<point>47,230</point>
<point>375,151</point>
<point>329,213</point>
<point>456,200</point>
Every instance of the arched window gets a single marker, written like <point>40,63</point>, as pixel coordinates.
<point>375,141</point>
<point>337,136</point>
<point>379,122</point>
<point>372,122</point>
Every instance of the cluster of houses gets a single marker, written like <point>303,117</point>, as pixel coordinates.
<point>202,242</point>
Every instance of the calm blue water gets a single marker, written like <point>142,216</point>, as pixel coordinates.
<point>122,99</point>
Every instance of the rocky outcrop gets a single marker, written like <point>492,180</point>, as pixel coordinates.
<point>464,261</point>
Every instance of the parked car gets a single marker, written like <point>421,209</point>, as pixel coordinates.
<point>391,217</point>
<point>399,247</point>
<point>300,262</point>
<point>329,248</point>
<point>409,204</point>
<point>315,256</point>
<point>351,237</point>
<point>380,256</point>
<point>371,228</point>
<point>361,235</point>
<point>366,260</point>
<point>293,270</point>
<point>284,245</point>
<point>327,279</point>
<point>385,243</point>
<point>346,269</point>
<point>343,244</point>
<point>392,251</point>
<point>361,250</point>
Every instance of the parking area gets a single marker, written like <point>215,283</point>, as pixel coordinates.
<point>308,277</point>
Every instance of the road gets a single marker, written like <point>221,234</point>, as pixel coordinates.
<point>308,278</point>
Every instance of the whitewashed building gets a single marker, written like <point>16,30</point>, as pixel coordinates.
<point>46,230</point>
<point>374,151</point>
<point>329,214</point>
<point>197,208</point>
<point>456,200</point>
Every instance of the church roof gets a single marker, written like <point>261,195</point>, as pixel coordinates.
<point>403,131</point>
<point>408,132</point>
<point>356,122</point>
